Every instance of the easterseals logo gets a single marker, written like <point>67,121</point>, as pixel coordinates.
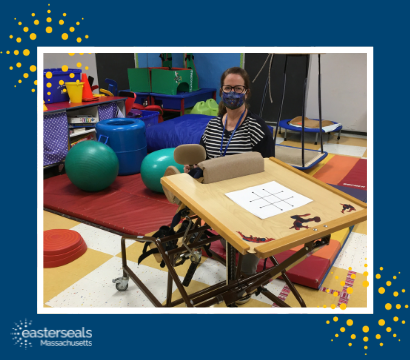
<point>25,337</point>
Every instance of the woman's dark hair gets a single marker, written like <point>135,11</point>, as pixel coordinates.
<point>239,71</point>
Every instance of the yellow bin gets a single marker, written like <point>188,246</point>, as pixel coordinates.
<point>75,91</point>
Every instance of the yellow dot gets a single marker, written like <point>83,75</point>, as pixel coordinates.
<point>381,322</point>
<point>343,306</point>
<point>388,306</point>
<point>335,318</point>
<point>396,294</point>
<point>35,82</point>
<point>327,322</point>
<point>49,74</point>
<point>349,322</point>
<point>26,52</point>
<point>33,14</point>
<point>337,335</point>
<point>7,52</point>
<point>18,65</point>
<point>16,52</point>
<point>64,36</point>
<point>388,329</point>
<point>25,29</point>
<point>365,283</point>
<point>86,68</point>
<point>77,23</point>
<point>328,290</point>
<point>71,54</point>
<point>381,269</point>
<point>61,82</point>
<point>49,11</point>
<point>394,335</point>
<point>11,67</point>
<point>72,29</point>
<point>403,290</point>
<point>353,276</point>
<point>49,29</point>
<point>406,306</point>
<point>403,322</point>
<point>398,306</point>
<point>64,14</point>
<point>49,85</point>
<point>86,36</point>
<point>64,68</point>
<point>388,283</point>
<point>25,75</point>
<point>79,40</point>
<point>353,336</point>
<point>342,329</point>
<point>33,90</point>
<point>365,265</point>
<point>33,36</point>
<point>381,290</point>
<point>333,306</point>
<point>350,344</point>
<point>61,22</point>
<point>365,329</point>
<point>365,339</point>
<point>349,290</point>
<point>335,294</point>
<point>78,64</point>
<point>394,277</point>
<point>366,273</point>
<point>49,19</point>
<point>49,93</point>
<point>72,75</point>
<point>82,18</point>
<point>350,268</point>
<point>33,68</point>
<point>18,40</point>
<point>77,81</point>
<point>20,81</point>
<point>378,336</point>
<point>381,344</point>
<point>19,22</point>
<point>336,277</point>
<point>36,22</point>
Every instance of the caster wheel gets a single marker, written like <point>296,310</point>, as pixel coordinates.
<point>120,287</point>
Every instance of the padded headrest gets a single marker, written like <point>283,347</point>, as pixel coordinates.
<point>232,166</point>
<point>189,154</point>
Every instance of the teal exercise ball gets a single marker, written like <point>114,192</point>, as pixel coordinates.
<point>91,165</point>
<point>153,168</point>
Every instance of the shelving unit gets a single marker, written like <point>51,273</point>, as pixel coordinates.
<point>57,138</point>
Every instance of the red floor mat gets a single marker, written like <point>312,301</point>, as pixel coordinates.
<point>126,206</point>
<point>357,177</point>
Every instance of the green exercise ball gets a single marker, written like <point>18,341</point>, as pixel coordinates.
<point>153,168</point>
<point>91,165</point>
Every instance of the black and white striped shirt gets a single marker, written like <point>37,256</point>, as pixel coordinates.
<point>252,135</point>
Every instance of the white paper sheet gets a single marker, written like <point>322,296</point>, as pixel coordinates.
<point>268,199</point>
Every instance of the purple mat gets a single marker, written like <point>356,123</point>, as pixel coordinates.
<point>357,193</point>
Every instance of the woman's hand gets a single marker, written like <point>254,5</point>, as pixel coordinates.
<point>187,168</point>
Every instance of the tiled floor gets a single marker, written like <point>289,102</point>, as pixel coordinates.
<point>87,281</point>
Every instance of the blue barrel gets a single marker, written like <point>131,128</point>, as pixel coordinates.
<point>127,138</point>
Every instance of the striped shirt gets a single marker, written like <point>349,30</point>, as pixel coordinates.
<point>252,135</point>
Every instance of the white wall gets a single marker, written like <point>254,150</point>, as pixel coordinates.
<point>58,60</point>
<point>344,94</point>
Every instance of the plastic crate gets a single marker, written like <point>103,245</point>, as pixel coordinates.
<point>149,117</point>
<point>55,93</point>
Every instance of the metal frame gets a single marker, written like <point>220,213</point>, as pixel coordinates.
<point>236,285</point>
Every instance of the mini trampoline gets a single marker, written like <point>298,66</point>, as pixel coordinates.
<point>311,126</point>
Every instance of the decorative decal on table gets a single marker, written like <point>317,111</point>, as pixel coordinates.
<point>347,207</point>
<point>254,239</point>
<point>297,224</point>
